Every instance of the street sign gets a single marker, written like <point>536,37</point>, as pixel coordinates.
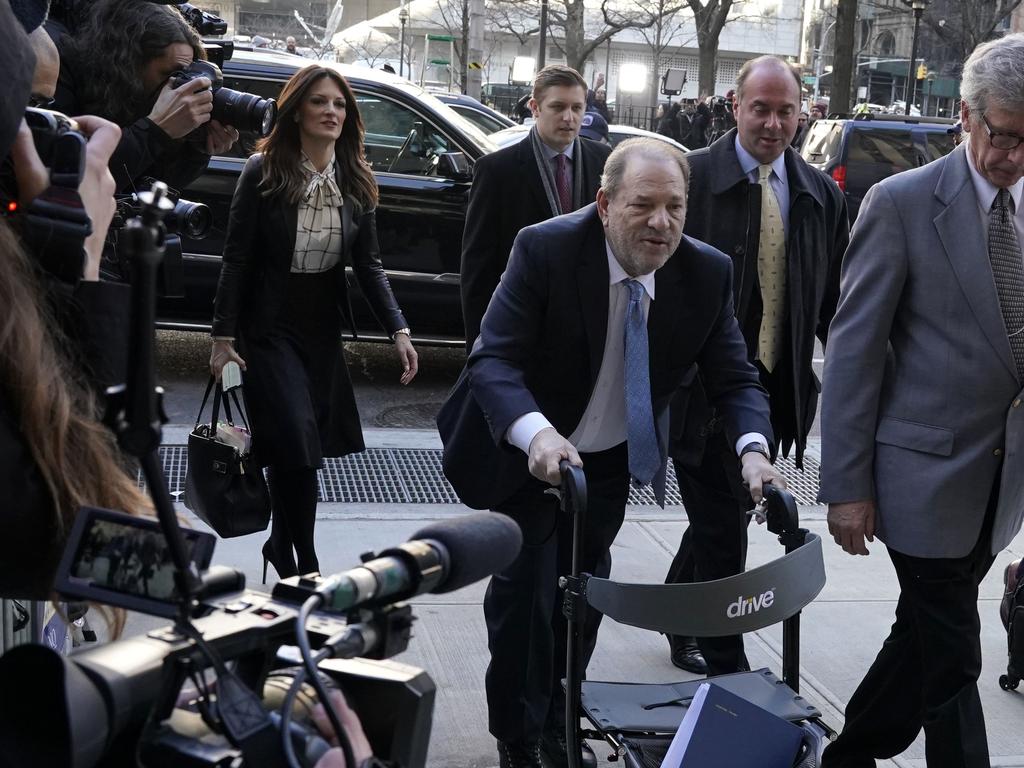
<point>810,79</point>
<point>475,65</point>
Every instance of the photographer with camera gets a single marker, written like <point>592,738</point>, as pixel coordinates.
<point>54,456</point>
<point>118,64</point>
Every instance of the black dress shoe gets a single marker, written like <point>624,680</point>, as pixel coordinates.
<point>554,747</point>
<point>687,656</point>
<point>519,755</point>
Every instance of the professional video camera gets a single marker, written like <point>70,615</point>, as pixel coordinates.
<point>718,107</point>
<point>181,217</point>
<point>130,697</point>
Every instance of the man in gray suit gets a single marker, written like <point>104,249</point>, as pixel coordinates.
<point>922,429</point>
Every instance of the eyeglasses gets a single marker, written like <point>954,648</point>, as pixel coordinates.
<point>1001,139</point>
<point>38,101</point>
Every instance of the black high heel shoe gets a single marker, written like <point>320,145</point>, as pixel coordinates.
<point>284,569</point>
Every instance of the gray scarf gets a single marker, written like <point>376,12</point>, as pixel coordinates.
<point>547,173</point>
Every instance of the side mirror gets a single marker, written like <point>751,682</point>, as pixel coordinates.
<point>455,166</point>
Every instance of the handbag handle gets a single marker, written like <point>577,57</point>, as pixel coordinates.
<point>218,395</point>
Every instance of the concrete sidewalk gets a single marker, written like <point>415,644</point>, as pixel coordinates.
<point>842,629</point>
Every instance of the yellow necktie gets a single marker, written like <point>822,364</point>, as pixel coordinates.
<point>771,273</point>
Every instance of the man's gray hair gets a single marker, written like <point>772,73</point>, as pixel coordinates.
<point>644,146</point>
<point>994,75</point>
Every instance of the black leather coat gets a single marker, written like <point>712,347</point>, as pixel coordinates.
<point>258,255</point>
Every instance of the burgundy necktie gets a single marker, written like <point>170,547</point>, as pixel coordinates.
<point>563,183</point>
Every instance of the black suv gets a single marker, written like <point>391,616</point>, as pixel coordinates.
<point>857,152</point>
<point>421,152</point>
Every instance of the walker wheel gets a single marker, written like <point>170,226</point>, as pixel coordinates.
<point>1008,683</point>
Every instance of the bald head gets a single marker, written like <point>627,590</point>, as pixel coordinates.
<point>44,78</point>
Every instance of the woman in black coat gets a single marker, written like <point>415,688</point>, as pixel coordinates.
<point>302,210</point>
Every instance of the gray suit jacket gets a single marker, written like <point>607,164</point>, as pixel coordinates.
<point>921,401</point>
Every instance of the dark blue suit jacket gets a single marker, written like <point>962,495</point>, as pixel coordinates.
<point>542,339</point>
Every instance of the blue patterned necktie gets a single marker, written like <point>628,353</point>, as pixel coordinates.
<point>644,456</point>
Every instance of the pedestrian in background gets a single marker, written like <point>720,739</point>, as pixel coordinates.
<point>669,123</point>
<point>699,126</point>
<point>801,132</point>
<point>922,429</point>
<point>785,226</point>
<point>551,172</point>
<point>302,210</point>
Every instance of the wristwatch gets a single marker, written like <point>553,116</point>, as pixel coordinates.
<point>406,331</point>
<point>754,447</point>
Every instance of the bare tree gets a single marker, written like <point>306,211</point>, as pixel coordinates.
<point>709,17</point>
<point>578,42</point>
<point>962,25</point>
<point>843,63</point>
<point>371,49</point>
<point>663,33</point>
<point>516,17</point>
<point>501,15</point>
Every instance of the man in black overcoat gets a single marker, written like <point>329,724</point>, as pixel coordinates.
<point>550,172</point>
<point>784,225</point>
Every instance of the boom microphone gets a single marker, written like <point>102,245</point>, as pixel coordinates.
<point>442,557</point>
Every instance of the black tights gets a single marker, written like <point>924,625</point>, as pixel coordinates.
<point>293,497</point>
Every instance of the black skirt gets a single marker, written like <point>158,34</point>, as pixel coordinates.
<point>302,407</point>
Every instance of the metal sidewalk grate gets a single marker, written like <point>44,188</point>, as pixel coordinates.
<point>414,476</point>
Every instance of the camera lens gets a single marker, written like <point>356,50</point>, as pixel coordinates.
<point>244,111</point>
<point>191,219</point>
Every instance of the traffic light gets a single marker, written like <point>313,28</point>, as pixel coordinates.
<point>922,71</point>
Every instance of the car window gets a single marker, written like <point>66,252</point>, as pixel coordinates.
<point>894,148</point>
<point>823,143</point>
<point>939,144</point>
<point>484,122</point>
<point>399,140</point>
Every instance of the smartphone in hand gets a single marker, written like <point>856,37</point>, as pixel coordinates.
<point>231,376</point>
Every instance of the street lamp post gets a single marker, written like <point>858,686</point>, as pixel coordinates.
<point>403,17</point>
<point>918,7</point>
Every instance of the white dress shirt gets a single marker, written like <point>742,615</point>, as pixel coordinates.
<point>603,424</point>
<point>778,181</point>
<point>986,193</point>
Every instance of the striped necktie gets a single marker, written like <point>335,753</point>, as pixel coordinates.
<point>1008,271</point>
<point>771,273</point>
<point>563,182</point>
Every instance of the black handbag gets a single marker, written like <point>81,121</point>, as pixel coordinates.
<point>224,487</point>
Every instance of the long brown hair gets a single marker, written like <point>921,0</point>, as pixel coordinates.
<point>115,42</point>
<point>282,149</point>
<point>75,455</point>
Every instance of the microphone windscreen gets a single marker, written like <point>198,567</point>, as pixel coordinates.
<point>479,545</point>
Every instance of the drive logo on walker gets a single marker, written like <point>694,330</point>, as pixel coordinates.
<point>747,605</point>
